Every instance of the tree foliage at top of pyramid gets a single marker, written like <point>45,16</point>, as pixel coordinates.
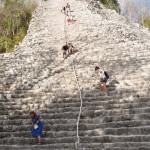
<point>112,4</point>
<point>15,16</point>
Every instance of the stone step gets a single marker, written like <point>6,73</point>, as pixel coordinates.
<point>134,77</point>
<point>40,94</point>
<point>121,64</point>
<point>124,131</point>
<point>131,148</point>
<point>64,99</point>
<point>139,145</point>
<point>60,146</point>
<point>104,112</point>
<point>94,111</point>
<point>3,112</point>
<point>126,123</point>
<point>32,91</point>
<point>103,105</point>
<point>92,139</point>
<point>92,146</point>
<point>141,79</point>
<point>47,127</point>
<point>119,124</point>
<point>47,92</point>
<point>126,117</point>
<point>32,141</point>
<point>46,134</point>
<point>113,139</point>
<point>128,131</point>
<point>104,99</point>
<point>85,129</point>
<point>44,91</point>
<point>31,148</point>
<point>116,146</point>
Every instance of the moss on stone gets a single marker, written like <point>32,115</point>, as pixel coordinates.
<point>112,4</point>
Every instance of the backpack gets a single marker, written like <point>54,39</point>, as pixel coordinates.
<point>106,75</point>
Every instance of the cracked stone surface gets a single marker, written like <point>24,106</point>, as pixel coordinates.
<point>36,77</point>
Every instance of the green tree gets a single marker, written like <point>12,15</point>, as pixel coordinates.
<point>15,17</point>
<point>147,22</point>
<point>112,4</point>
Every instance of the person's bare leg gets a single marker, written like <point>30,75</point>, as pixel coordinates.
<point>101,87</point>
<point>105,89</point>
<point>69,51</point>
<point>64,56</point>
<point>72,49</point>
<point>39,139</point>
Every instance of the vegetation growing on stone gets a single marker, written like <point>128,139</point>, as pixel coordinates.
<point>15,16</point>
<point>113,4</point>
<point>147,22</point>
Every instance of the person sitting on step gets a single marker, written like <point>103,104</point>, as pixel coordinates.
<point>103,79</point>
<point>71,48</point>
<point>37,126</point>
<point>65,49</point>
<point>68,49</point>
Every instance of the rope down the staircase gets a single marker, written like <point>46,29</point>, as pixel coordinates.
<point>79,89</point>
<point>65,30</point>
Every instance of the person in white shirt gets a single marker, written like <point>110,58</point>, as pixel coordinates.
<point>103,79</point>
<point>68,10</point>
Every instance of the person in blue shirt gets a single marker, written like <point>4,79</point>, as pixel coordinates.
<point>37,126</point>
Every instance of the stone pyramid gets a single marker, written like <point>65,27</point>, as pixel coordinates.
<point>36,77</point>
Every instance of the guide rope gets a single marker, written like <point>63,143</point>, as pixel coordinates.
<point>78,85</point>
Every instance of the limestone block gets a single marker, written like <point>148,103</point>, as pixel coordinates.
<point>36,106</point>
<point>42,106</point>
<point>31,106</point>
<point>8,96</point>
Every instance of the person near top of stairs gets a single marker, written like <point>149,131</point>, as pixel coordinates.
<point>37,126</point>
<point>103,79</point>
<point>68,49</point>
<point>67,11</point>
<point>69,14</point>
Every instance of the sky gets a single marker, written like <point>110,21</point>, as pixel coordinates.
<point>135,15</point>
<point>137,1</point>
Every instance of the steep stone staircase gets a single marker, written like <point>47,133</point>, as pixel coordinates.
<point>35,77</point>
